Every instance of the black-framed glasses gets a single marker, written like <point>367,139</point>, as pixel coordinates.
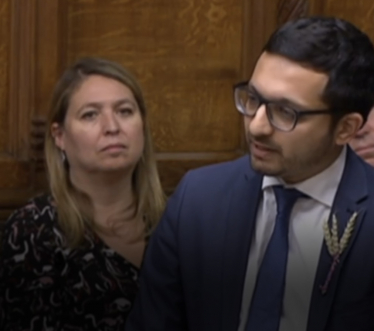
<point>281,117</point>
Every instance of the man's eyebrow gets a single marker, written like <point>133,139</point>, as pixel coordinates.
<point>282,101</point>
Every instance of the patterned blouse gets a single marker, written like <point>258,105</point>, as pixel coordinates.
<point>44,285</point>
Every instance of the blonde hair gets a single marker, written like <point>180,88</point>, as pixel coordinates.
<point>74,210</point>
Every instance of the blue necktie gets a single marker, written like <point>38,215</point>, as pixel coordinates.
<point>267,300</point>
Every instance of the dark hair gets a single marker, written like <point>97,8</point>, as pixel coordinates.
<point>337,48</point>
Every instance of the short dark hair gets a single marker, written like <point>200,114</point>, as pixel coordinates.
<point>337,48</point>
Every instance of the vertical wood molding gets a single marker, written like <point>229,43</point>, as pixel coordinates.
<point>51,50</point>
<point>291,9</point>
<point>253,34</point>
<point>21,76</point>
<point>316,7</point>
<point>259,21</point>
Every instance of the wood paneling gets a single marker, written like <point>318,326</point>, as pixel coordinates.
<point>187,54</point>
<point>17,22</point>
<point>259,21</point>
<point>291,9</point>
<point>359,12</point>
<point>21,77</point>
<point>4,72</point>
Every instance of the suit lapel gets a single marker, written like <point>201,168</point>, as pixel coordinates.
<point>245,196</point>
<point>351,192</point>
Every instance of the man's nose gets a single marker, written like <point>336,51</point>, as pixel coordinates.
<point>260,125</point>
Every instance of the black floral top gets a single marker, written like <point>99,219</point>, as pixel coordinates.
<point>45,285</point>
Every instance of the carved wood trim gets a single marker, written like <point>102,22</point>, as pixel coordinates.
<point>291,9</point>
<point>51,59</point>
<point>253,34</point>
<point>21,76</point>
<point>51,49</point>
<point>259,21</point>
<point>38,131</point>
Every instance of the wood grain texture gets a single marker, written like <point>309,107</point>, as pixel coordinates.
<point>358,12</point>
<point>291,9</point>
<point>260,20</point>
<point>21,77</point>
<point>4,72</point>
<point>17,21</point>
<point>17,102</point>
<point>186,54</point>
<point>15,174</point>
<point>50,52</point>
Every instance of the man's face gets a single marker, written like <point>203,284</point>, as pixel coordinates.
<point>310,147</point>
<point>363,142</point>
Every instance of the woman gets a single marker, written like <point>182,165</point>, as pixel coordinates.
<point>70,260</point>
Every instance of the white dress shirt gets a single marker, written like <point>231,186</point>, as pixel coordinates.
<point>305,240</point>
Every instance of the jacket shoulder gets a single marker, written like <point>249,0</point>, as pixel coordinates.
<point>216,178</point>
<point>222,172</point>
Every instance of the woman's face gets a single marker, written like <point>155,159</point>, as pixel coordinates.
<point>103,128</point>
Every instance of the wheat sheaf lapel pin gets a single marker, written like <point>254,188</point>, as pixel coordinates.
<point>335,246</point>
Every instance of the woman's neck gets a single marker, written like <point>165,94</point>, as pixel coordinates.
<point>110,193</point>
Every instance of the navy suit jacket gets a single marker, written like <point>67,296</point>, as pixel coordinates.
<point>194,268</point>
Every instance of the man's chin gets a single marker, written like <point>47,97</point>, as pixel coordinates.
<point>264,169</point>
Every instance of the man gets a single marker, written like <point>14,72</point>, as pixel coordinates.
<point>363,142</point>
<point>245,245</point>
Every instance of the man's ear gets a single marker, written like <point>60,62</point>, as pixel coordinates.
<point>347,128</point>
<point>57,132</point>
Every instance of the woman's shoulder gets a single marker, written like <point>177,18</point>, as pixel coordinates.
<point>41,206</point>
<point>36,218</point>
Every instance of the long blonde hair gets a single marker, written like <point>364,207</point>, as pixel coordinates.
<point>73,207</point>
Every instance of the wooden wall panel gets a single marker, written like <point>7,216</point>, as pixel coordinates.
<point>17,22</point>
<point>4,73</point>
<point>360,13</point>
<point>186,55</point>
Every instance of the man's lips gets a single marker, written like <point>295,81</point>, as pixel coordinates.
<point>262,147</point>
<point>261,150</point>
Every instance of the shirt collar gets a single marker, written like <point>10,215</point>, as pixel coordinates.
<point>321,187</point>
